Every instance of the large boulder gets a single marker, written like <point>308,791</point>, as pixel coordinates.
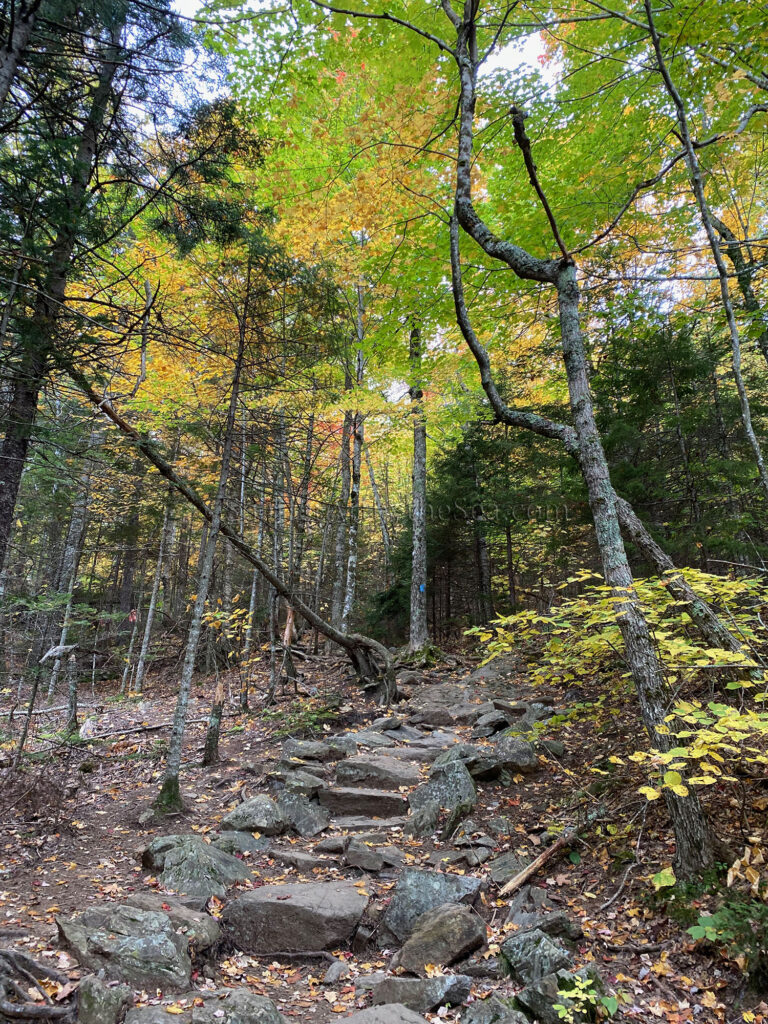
<point>200,930</point>
<point>294,918</point>
<point>259,814</point>
<point>121,943</point>
<point>532,955</point>
<point>451,789</point>
<point>240,842</point>
<point>442,936</point>
<point>98,1003</point>
<point>394,1013</point>
<point>227,1006</point>
<point>306,750</point>
<point>189,865</point>
<point>303,815</point>
<point>377,772</point>
<point>423,994</point>
<point>418,891</point>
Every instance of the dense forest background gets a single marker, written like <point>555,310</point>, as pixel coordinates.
<point>328,329</point>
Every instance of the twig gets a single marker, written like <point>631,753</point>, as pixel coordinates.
<point>522,877</point>
<point>604,906</point>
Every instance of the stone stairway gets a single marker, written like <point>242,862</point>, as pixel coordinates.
<point>358,800</point>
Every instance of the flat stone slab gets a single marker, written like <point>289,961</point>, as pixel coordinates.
<point>228,1006</point>
<point>415,751</point>
<point>294,918</point>
<point>377,772</point>
<point>423,994</point>
<point>394,1013</point>
<point>359,823</point>
<point>377,803</point>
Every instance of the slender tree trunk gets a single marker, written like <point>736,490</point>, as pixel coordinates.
<point>12,50</point>
<point>211,749</point>
<point>72,727</point>
<point>379,512</point>
<point>144,653</point>
<point>169,797</point>
<point>418,631</point>
<point>745,273</point>
<point>358,427</point>
<point>339,583</point>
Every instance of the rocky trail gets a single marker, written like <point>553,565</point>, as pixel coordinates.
<point>376,876</point>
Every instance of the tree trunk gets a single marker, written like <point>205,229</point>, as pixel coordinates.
<point>339,581</point>
<point>13,49</point>
<point>418,632</point>
<point>72,727</point>
<point>358,427</point>
<point>211,749</point>
<point>380,512</point>
<point>141,665</point>
<point>39,336</point>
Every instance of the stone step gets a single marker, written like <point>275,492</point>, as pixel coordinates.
<point>376,803</point>
<point>359,823</point>
<point>377,772</point>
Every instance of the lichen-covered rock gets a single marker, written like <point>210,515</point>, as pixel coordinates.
<point>442,936</point>
<point>192,867</point>
<point>450,787</point>
<point>98,1003</point>
<point>423,994</point>
<point>139,947</point>
<point>533,955</point>
<point>200,929</point>
<point>492,1011</point>
<point>418,891</point>
<point>506,866</point>
<point>516,755</point>
<point>294,918</point>
<point>240,842</point>
<point>302,814</point>
<point>259,814</point>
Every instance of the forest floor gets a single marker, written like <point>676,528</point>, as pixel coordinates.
<point>71,838</point>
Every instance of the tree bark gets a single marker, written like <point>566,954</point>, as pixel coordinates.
<point>141,665</point>
<point>339,580</point>
<point>21,28</point>
<point>418,632</point>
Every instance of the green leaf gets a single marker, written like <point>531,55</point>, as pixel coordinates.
<point>664,879</point>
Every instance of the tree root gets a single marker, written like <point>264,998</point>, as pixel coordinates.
<point>19,975</point>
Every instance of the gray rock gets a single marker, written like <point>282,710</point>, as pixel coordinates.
<point>240,842</point>
<point>98,1003</point>
<point>332,844</point>
<point>371,739</point>
<point>189,865</point>
<point>516,755</point>
<point>424,821</point>
<point>360,854</point>
<point>492,1011</point>
<point>304,816</point>
<point>506,866</point>
<point>201,930</point>
<point>388,723</point>
<point>123,943</point>
<point>493,722</point>
<point>539,997</point>
<point>499,826</point>
<point>303,782</point>
<point>532,955</point>
<point>339,969</point>
<point>227,1006</point>
<point>295,918</point>
<point>557,924</point>
<point>452,789</point>
<point>368,982</point>
<point>442,936</point>
<point>416,751</point>
<point>359,823</point>
<point>480,762</point>
<point>377,772</point>
<point>554,747</point>
<point>423,994</point>
<point>259,814</point>
<point>418,891</point>
<point>394,1013</point>
<point>378,803</point>
<point>298,859</point>
<point>306,750</point>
